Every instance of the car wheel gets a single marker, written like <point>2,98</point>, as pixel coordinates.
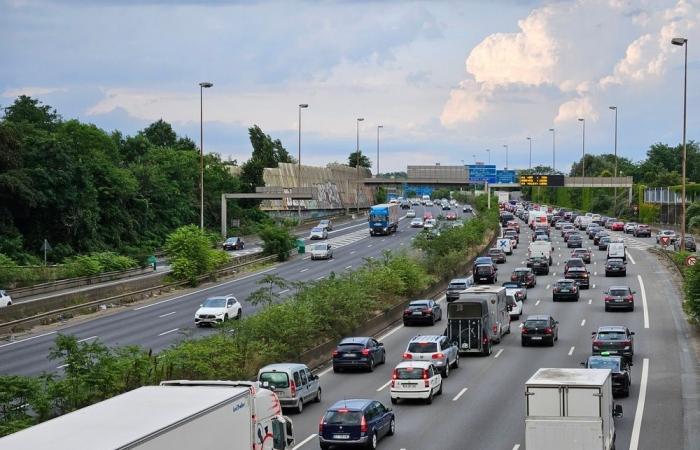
<point>606,308</point>
<point>523,342</point>
<point>455,364</point>
<point>325,447</point>
<point>446,371</point>
<point>318,396</point>
<point>370,367</point>
<point>225,317</point>
<point>383,358</point>
<point>392,427</point>
<point>239,313</point>
<point>631,308</point>
<point>394,400</point>
<point>551,343</point>
<point>432,320</point>
<point>300,406</point>
<point>372,443</point>
<point>429,400</point>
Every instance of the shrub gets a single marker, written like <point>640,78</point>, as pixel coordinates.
<point>191,253</point>
<point>277,240</point>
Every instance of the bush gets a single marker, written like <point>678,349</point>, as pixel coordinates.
<point>191,253</point>
<point>277,240</point>
<point>94,264</point>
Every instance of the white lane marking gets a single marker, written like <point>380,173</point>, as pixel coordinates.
<point>571,350</point>
<point>636,428</point>
<point>320,278</point>
<point>352,252</point>
<point>62,366</point>
<point>558,263</point>
<point>87,339</point>
<point>583,322</point>
<point>168,332</point>
<point>461,393</point>
<point>537,302</point>
<point>644,301</point>
<point>28,339</point>
<point>593,286</point>
<point>547,287</point>
<point>630,257</point>
<point>383,239</point>
<point>516,446</point>
<point>590,301</point>
<point>595,262</point>
<point>205,289</point>
<point>304,270</point>
<point>381,388</point>
<point>325,371</point>
<point>304,442</point>
<point>307,257</point>
<point>348,267</point>
<point>167,314</point>
<point>389,333</point>
<point>369,245</point>
<point>498,353</point>
<point>282,292</point>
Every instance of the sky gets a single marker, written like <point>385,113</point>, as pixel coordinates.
<point>447,80</point>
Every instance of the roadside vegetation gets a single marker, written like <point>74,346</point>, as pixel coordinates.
<point>691,284</point>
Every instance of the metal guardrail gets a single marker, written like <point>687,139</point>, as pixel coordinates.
<point>121,297</point>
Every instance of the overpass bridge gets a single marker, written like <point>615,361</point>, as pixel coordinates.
<point>573,182</point>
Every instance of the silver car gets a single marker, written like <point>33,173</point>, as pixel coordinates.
<point>321,251</point>
<point>326,223</point>
<point>293,383</point>
<point>318,233</point>
<point>436,349</point>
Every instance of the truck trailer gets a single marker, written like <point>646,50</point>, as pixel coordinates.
<point>499,317</point>
<point>383,219</point>
<point>570,409</point>
<point>232,415</point>
<point>468,322</point>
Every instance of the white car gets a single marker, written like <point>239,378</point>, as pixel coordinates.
<point>411,213</point>
<point>629,227</point>
<point>318,233</point>
<point>5,299</point>
<point>515,305</point>
<point>429,203</point>
<point>429,224</point>
<point>417,223</point>
<point>321,251</point>
<point>326,223</point>
<point>218,310</point>
<point>415,380</point>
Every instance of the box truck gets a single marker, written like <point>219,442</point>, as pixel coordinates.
<point>570,409</point>
<point>232,415</point>
<point>383,219</point>
<point>503,196</point>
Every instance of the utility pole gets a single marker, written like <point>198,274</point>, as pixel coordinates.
<point>357,164</point>
<point>378,127</point>
<point>614,108</point>
<point>301,106</point>
<point>683,42</point>
<point>583,147</point>
<point>203,85</point>
<point>530,141</point>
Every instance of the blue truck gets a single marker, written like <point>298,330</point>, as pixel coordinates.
<point>383,219</point>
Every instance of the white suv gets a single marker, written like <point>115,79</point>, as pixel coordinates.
<point>5,299</point>
<point>415,379</point>
<point>434,349</point>
<point>218,310</point>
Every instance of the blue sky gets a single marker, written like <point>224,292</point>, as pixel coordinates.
<point>446,79</point>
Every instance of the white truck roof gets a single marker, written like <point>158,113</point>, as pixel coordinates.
<point>484,289</point>
<point>568,377</point>
<point>121,420</point>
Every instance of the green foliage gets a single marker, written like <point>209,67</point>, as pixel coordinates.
<point>94,264</point>
<point>380,195</point>
<point>23,402</point>
<point>266,153</point>
<point>691,305</point>
<point>277,240</point>
<point>649,213</point>
<point>191,253</point>
<point>363,160</point>
<point>265,295</point>
<point>440,193</point>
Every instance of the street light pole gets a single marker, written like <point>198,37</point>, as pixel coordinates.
<point>301,106</point>
<point>554,149</point>
<point>683,42</point>
<point>614,108</point>
<point>488,150</point>
<point>530,140</point>
<point>506,147</point>
<point>202,86</point>
<point>583,148</point>
<point>357,165</point>
<point>378,127</point>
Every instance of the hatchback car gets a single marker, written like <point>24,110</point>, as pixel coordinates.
<point>539,329</point>
<point>565,290</point>
<point>583,253</point>
<point>603,243</point>
<point>321,251</point>
<point>318,233</point>
<point>617,226</point>
<point>574,241</point>
<point>233,243</point>
<point>580,275</point>
<point>415,380</point>
<point>619,368</point>
<point>670,234</point>
<point>539,265</point>
<point>417,223</point>
<point>524,276</point>
<point>357,423</point>
<point>411,213</point>
<point>422,311</point>
<point>574,262</point>
<point>516,289</point>
<point>498,255</point>
<point>358,352</point>
<point>615,267</point>
<point>218,310</point>
<point>629,227</point>
<point>616,340</point>
<point>598,236</point>
<point>619,297</point>
<point>514,225</point>
<point>326,223</point>
<point>642,231</point>
<point>456,286</point>
<point>485,274</point>
<point>436,349</point>
<point>293,383</point>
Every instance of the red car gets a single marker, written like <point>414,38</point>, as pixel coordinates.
<point>427,215</point>
<point>513,224</point>
<point>451,215</point>
<point>618,226</point>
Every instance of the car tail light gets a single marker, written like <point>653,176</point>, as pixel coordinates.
<point>365,352</point>
<point>608,298</point>
<point>394,375</point>
<point>406,311</point>
<point>293,385</point>
<point>626,343</point>
<point>335,353</point>
<point>494,328</point>
<point>556,288</point>
<point>486,340</point>
<point>548,330</point>
<point>596,344</point>
<point>320,426</point>
<point>407,356</point>
<point>425,374</point>
<point>523,330</point>
<point>428,310</point>
<point>513,277</point>
<point>438,355</point>
<point>629,297</point>
<point>363,425</point>
<point>575,289</point>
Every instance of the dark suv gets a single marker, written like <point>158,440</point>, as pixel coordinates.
<point>565,290</point>
<point>642,230</point>
<point>356,422</point>
<point>616,340</point>
<point>619,367</point>
<point>423,311</point>
<point>524,276</point>
<point>539,329</point>
<point>485,274</point>
<point>580,275</point>
<point>362,352</point>
<point>615,266</point>
<point>539,265</point>
<point>619,297</point>
<point>582,253</point>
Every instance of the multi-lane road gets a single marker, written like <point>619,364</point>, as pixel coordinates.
<point>158,324</point>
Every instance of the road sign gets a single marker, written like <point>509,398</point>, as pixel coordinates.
<point>691,260</point>
<point>664,240</point>
<point>542,180</point>
<point>503,243</point>
<point>506,176</point>
<point>482,173</point>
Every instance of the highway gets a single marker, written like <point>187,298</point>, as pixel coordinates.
<point>158,324</point>
<point>483,402</point>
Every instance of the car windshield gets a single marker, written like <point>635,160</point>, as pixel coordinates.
<point>484,269</point>
<point>604,363</point>
<point>275,379</point>
<point>317,230</point>
<point>611,335</point>
<point>618,292</point>
<point>511,285</point>
<point>536,323</point>
<point>422,347</point>
<point>343,417</point>
<point>232,240</point>
<point>320,247</point>
<point>615,262</point>
<point>324,222</point>
<point>409,373</point>
<point>457,286</point>
<point>216,302</point>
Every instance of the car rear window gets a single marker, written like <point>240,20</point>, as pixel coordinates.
<point>351,347</point>
<point>422,347</point>
<point>343,417</point>
<point>604,363</point>
<point>409,373</point>
<point>536,323</point>
<point>457,286</point>
<point>484,270</point>
<point>619,292</point>
<point>565,284</point>
<point>611,335</point>
<point>275,379</point>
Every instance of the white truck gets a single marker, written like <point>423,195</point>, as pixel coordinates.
<point>183,414</point>
<point>541,249</point>
<point>503,196</point>
<point>536,218</point>
<point>570,409</point>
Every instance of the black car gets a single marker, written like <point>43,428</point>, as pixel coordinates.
<point>580,275</point>
<point>539,265</point>
<point>484,260</point>
<point>615,267</point>
<point>539,329</point>
<point>574,241</point>
<point>619,368</point>
<point>565,290</point>
<point>603,243</point>
<point>485,274</point>
<point>405,205</point>
<point>690,245</point>
<point>524,276</point>
<point>498,255</point>
<point>233,243</point>
<point>422,311</point>
<point>358,352</point>
<point>619,297</point>
<point>582,253</point>
<point>598,236</point>
<point>573,262</point>
<point>616,340</point>
<point>357,423</point>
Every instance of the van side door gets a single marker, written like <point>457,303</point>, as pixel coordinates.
<point>313,383</point>
<point>304,389</point>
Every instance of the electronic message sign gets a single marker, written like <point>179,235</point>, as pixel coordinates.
<point>542,180</point>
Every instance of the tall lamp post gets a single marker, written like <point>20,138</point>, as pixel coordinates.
<point>203,85</point>
<point>378,127</point>
<point>357,164</point>
<point>583,148</point>
<point>614,108</point>
<point>554,149</point>
<point>530,141</point>
<point>488,150</point>
<point>683,42</point>
<point>301,106</point>
<point>506,147</point>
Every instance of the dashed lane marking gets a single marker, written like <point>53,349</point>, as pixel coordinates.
<point>636,428</point>
<point>498,353</point>
<point>571,350</point>
<point>304,442</point>
<point>87,339</point>
<point>537,302</point>
<point>168,332</point>
<point>460,394</point>
<point>381,388</point>
<point>167,314</point>
<point>644,301</point>
<point>583,322</point>
<point>28,339</point>
<point>304,269</point>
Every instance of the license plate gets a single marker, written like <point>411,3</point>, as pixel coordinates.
<point>409,384</point>
<point>618,300</point>
<point>565,290</point>
<point>417,313</point>
<point>341,436</point>
<point>537,338</point>
<point>351,355</point>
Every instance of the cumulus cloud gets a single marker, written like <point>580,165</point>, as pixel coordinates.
<point>575,108</point>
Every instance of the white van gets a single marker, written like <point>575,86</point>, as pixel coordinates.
<point>505,244</point>
<point>540,249</point>
<point>581,222</point>
<point>617,250</point>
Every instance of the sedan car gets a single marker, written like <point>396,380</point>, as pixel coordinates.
<point>451,215</point>
<point>318,233</point>
<point>582,253</point>
<point>615,267</point>
<point>357,423</point>
<point>603,243</point>
<point>616,340</point>
<point>539,329</point>
<point>5,299</point>
<point>617,226</point>
<point>580,275</point>
<point>321,251</point>
<point>619,368</point>
<point>467,208</point>
<point>573,262</point>
<point>218,310</point>
<point>358,352</point>
<point>642,231</point>
<point>233,243</point>
<point>539,265</point>
<point>619,297</point>
<point>629,227</point>
<point>417,223</point>
<point>565,290</point>
<point>498,255</point>
<point>598,236</point>
<point>326,223</point>
<point>524,276</point>
<point>411,213</point>
<point>415,380</point>
<point>422,311</point>
<point>574,241</point>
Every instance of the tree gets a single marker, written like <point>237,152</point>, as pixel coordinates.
<point>160,134</point>
<point>380,195</point>
<point>30,111</point>
<point>190,253</point>
<point>277,240</point>
<point>363,160</point>
<point>265,295</point>
<point>266,153</point>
